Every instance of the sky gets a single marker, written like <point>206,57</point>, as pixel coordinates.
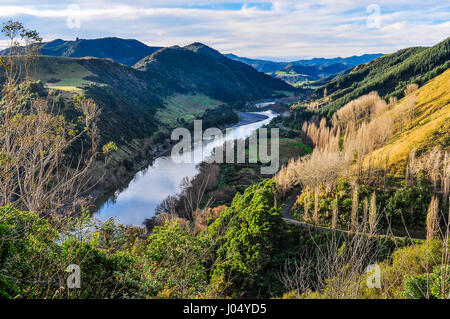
<point>279,30</point>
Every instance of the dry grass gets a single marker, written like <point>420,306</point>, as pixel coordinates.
<point>375,142</point>
<point>186,106</point>
<point>73,89</point>
<point>360,109</point>
<point>432,114</point>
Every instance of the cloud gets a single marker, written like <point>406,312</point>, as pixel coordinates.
<point>278,29</point>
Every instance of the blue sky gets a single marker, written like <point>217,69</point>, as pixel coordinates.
<point>279,30</point>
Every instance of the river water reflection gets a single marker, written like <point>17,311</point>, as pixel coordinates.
<point>162,178</point>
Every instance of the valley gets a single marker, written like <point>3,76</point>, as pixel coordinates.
<point>138,103</point>
<point>179,172</point>
<point>163,178</point>
<point>304,73</point>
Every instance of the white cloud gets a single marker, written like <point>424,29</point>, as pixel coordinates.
<point>290,29</point>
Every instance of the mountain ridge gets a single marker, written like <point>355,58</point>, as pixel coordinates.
<point>224,79</point>
<point>388,75</point>
<point>307,70</point>
<point>124,51</point>
<point>133,95</point>
<point>351,60</point>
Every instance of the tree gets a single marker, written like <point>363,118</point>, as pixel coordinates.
<point>37,170</point>
<point>373,214</point>
<point>252,230</point>
<point>433,218</point>
<point>355,206</point>
<point>176,261</point>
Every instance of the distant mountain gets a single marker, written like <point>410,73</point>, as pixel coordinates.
<point>351,61</point>
<point>267,66</point>
<point>311,70</point>
<point>135,100</point>
<point>299,72</point>
<point>388,75</point>
<point>260,65</point>
<point>123,51</point>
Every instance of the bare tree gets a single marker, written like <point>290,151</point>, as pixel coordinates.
<point>334,219</point>
<point>373,214</point>
<point>410,104</point>
<point>355,204</point>
<point>365,212</point>
<point>365,107</point>
<point>37,170</point>
<point>433,219</point>
<point>336,270</point>
<point>410,88</point>
<point>316,205</point>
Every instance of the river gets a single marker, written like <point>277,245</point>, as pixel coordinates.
<point>138,201</point>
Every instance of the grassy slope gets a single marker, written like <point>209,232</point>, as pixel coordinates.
<point>186,106</point>
<point>128,98</point>
<point>237,177</point>
<point>125,51</point>
<point>61,73</point>
<point>429,127</point>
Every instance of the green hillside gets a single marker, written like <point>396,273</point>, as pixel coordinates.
<point>388,75</point>
<point>198,68</point>
<point>127,97</point>
<point>137,101</point>
<point>125,51</point>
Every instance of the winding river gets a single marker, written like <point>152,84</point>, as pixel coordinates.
<point>132,205</point>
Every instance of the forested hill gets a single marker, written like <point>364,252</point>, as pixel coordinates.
<point>125,51</point>
<point>199,68</point>
<point>388,75</point>
<point>169,84</point>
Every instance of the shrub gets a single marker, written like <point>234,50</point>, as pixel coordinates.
<point>440,287</point>
<point>252,230</point>
<point>176,260</point>
<point>416,287</point>
<point>34,256</point>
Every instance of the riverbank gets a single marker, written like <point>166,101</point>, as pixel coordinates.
<point>138,199</point>
<point>246,118</point>
<point>130,159</point>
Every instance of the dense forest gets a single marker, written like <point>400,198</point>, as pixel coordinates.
<point>124,51</point>
<point>388,75</point>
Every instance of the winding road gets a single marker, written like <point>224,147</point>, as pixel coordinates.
<point>286,216</point>
<point>289,219</point>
